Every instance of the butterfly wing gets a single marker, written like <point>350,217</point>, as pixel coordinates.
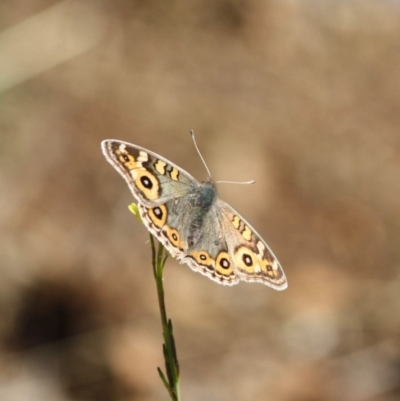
<point>171,225</point>
<point>251,257</point>
<point>152,179</point>
<point>209,255</point>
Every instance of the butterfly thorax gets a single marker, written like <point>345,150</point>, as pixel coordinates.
<point>204,196</point>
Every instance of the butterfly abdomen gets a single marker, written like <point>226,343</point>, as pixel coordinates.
<point>203,199</point>
<point>195,229</point>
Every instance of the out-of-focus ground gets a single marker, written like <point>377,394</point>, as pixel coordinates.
<point>303,97</point>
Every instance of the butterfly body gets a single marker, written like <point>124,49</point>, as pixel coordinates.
<point>191,221</point>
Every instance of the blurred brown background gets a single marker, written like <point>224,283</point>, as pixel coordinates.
<point>302,96</point>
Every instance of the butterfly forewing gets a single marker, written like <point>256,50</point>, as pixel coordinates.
<point>151,178</point>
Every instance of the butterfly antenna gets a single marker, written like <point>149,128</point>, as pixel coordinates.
<point>236,182</point>
<point>198,151</point>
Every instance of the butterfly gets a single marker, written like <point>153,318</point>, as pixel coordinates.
<point>191,221</point>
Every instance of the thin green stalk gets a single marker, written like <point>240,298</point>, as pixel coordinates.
<point>171,383</point>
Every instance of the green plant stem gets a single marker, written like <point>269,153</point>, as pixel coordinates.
<point>171,383</point>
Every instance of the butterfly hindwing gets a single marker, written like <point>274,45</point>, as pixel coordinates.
<point>208,255</point>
